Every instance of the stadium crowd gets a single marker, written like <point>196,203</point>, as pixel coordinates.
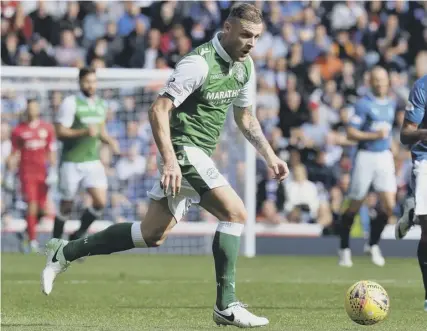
<point>312,63</point>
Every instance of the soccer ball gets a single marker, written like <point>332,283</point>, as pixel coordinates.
<point>367,303</point>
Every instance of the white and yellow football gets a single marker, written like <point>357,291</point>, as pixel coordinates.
<point>367,303</point>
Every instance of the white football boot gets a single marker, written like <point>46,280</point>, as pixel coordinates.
<point>367,249</point>
<point>236,314</point>
<point>55,263</point>
<point>345,258</point>
<point>376,255</point>
<point>407,220</point>
<point>34,246</point>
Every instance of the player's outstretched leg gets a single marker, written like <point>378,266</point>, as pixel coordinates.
<point>422,254</point>
<point>347,219</point>
<point>58,226</point>
<point>378,224</point>
<point>65,207</point>
<point>90,214</point>
<point>116,238</point>
<point>31,226</point>
<point>407,220</point>
<point>388,202</point>
<point>225,204</point>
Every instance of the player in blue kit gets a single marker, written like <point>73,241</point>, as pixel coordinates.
<point>414,134</point>
<point>371,127</point>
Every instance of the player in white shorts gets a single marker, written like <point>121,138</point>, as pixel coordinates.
<point>80,125</point>
<point>414,133</point>
<point>187,119</point>
<point>373,165</point>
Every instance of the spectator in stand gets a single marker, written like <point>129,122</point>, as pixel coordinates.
<point>68,52</point>
<point>183,47</point>
<point>292,113</point>
<point>95,25</point>
<point>208,15</point>
<point>127,22</point>
<point>71,21</point>
<point>330,64</point>
<point>308,24</point>
<point>314,47</point>
<point>392,44</point>
<point>131,139</point>
<point>166,15</point>
<point>270,195</point>
<point>98,63</point>
<point>133,52</point>
<point>100,51</point>
<point>302,198</point>
<point>345,14</point>
<point>9,50</point>
<point>129,108</point>
<point>115,43</point>
<point>131,165</point>
<point>153,51</point>
<point>320,172</point>
<point>169,40</point>
<point>115,127</point>
<point>313,134</point>
<point>21,24</point>
<point>43,23</point>
<point>42,53</point>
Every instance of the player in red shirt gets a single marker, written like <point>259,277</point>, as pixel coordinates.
<point>33,143</point>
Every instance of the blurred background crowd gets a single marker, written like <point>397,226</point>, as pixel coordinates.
<point>312,63</point>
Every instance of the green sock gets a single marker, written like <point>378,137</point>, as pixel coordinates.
<point>58,226</point>
<point>88,217</point>
<point>116,238</point>
<point>225,248</point>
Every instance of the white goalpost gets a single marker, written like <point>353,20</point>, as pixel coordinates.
<point>129,93</point>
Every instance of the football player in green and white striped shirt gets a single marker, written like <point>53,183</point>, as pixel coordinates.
<point>205,83</point>
<point>80,125</point>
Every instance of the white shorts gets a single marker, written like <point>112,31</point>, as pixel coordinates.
<point>72,176</point>
<point>419,172</point>
<point>372,168</point>
<point>199,176</point>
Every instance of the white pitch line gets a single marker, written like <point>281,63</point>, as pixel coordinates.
<point>301,281</point>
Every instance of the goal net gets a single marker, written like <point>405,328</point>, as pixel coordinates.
<point>128,93</point>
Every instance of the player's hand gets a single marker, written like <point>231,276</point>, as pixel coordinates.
<point>92,131</point>
<point>383,133</point>
<point>280,168</point>
<point>171,177</point>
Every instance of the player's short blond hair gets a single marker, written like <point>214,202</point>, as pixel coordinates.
<point>247,12</point>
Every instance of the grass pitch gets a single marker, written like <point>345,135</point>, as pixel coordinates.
<point>137,292</point>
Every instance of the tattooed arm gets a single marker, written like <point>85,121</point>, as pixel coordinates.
<point>251,129</point>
